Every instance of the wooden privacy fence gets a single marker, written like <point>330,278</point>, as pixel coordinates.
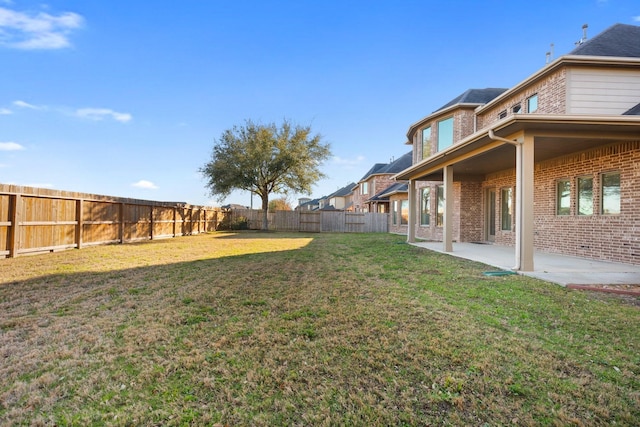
<point>39,220</point>
<point>313,221</point>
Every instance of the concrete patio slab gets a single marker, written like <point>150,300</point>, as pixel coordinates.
<point>560,269</point>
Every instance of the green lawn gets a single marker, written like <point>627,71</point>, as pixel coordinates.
<point>305,329</point>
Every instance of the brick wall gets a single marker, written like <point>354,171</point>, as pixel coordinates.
<point>597,236</point>
<point>551,92</point>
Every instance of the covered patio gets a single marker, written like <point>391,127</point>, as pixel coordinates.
<point>517,144</point>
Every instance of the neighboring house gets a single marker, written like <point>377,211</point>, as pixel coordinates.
<point>342,199</point>
<point>551,164</point>
<point>396,197</point>
<point>380,177</point>
<point>307,204</point>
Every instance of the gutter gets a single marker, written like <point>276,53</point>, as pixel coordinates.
<point>519,207</point>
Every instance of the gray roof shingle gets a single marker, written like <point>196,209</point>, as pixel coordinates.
<point>633,111</point>
<point>620,40</point>
<point>474,96</point>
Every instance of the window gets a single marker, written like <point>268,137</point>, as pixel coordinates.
<point>364,188</point>
<point>584,201</point>
<point>610,193</point>
<point>425,206</point>
<point>445,133</point>
<point>516,108</point>
<point>502,114</point>
<point>440,207</point>
<point>404,212</point>
<point>532,104</point>
<point>505,211</point>
<point>426,142</point>
<point>563,197</point>
<point>394,212</point>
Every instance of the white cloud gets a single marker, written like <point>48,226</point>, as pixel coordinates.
<point>24,30</point>
<point>348,162</point>
<point>5,111</point>
<point>23,104</point>
<point>145,184</point>
<point>10,146</point>
<point>636,18</point>
<point>101,113</point>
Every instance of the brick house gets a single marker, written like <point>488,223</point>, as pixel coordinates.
<point>552,163</point>
<point>367,192</point>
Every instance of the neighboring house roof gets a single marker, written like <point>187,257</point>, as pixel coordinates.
<point>474,96</point>
<point>234,206</point>
<point>373,171</point>
<point>383,196</point>
<point>619,40</point>
<point>311,202</point>
<point>633,111</point>
<point>344,191</point>
<point>399,164</point>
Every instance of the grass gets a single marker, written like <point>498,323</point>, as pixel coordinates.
<point>297,329</point>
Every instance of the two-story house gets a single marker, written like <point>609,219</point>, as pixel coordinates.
<point>341,199</point>
<point>552,163</point>
<point>367,193</point>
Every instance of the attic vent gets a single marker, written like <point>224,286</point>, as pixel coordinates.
<point>584,35</point>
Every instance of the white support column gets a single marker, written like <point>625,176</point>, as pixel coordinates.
<point>447,230</point>
<point>526,226</point>
<point>411,228</point>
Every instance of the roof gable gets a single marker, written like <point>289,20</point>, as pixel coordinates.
<point>620,40</point>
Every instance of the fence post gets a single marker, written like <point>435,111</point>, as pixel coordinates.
<point>151,222</point>
<point>14,236</point>
<point>121,228</point>
<point>175,216</point>
<point>79,225</point>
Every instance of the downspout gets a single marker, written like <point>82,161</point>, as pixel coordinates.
<point>518,145</point>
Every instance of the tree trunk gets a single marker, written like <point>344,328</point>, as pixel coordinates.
<point>265,210</point>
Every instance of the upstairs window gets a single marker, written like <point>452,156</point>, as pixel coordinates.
<point>364,188</point>
<point>502,114</point>
<point>445,133</point>
<point>532,104</point>
<point>563,197</point>
<point>425,206</point>
<point>426,142</point>
<point>610,193</point>
<point>516,108</point>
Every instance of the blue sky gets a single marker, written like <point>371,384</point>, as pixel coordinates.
<point>126,98</point>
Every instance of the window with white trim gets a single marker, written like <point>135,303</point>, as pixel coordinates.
<point>440,206</point>
<point>563,197</point>
<point>426,142</point>
<point>425,206</point>
<point>584,196</point>
<point>532,103</point>
<point>505,211</point>
<point>445,133</point>
<point>610,196</point>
